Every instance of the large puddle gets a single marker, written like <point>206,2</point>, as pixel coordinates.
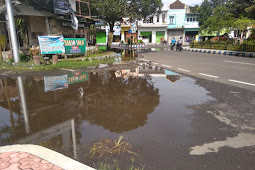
<point>150,106</point>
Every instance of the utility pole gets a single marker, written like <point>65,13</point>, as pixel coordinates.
<point>13,34</point>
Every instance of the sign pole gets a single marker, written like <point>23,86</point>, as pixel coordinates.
<point>13,34</point>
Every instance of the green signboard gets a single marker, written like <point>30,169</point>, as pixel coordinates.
<point>75,45</point>
<point>77,77</point>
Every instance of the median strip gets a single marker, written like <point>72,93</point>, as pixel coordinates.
<point>208,75</point>
<point>184,70</point>
<point>242,82</point>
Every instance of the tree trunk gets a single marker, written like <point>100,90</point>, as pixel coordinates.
<point>110,37</point>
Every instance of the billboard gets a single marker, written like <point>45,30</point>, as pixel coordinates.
<point>51,44</point>
<point>75,45</point>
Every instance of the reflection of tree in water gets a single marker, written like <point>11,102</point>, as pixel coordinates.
<point>123,104</point>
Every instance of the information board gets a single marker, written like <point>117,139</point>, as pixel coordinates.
<point>75,45</point>
<point>51,44</point>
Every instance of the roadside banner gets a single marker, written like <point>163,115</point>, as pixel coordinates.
<point>52,83</point>
<point>75,45</point>
<point>51,44</point>
<point>77,77</point>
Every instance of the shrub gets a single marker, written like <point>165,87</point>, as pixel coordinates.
<point>24,58</point>
<point>140,41</point>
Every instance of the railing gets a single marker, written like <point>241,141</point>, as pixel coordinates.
<point>223,46</point>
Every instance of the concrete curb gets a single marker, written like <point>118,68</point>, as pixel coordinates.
<point>221,52</point>
<point>48,155</point>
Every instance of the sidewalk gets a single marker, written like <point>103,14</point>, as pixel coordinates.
<point>219,52</point>
<point>33,157</point>
<point>23,160</point>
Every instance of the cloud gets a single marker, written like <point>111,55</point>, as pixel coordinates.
<point>187,2</point>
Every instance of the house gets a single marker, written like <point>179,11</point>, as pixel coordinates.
<point>152,29</point>
<point>42,23</point>
<point>175,21</point>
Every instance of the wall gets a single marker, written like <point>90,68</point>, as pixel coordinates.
<point>101,37</point>
<point>36,27</point>
<point>179,18</point>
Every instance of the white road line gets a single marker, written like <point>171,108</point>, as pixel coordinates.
<point>226,61</point>
<point>154,63</point>
<point>183,70</point>
<point>208,75</point>
<point>67,69</point>
<point>241,82</point>
<point>166,66</point>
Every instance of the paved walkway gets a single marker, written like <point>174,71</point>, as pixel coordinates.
<point>24,161</point>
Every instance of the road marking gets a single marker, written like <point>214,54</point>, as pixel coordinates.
<point>242,82</point>
<point>184,70</point>
<point>226,61</point>
<point>166,66</point>
<point>208,75</point>
<point>67,69</point>
<point>154,63</point>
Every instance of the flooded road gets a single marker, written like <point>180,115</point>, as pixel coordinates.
<point>171,120</point>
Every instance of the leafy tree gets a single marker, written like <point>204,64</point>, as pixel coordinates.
<point>243,23</point>
<point>221,19</point>
<point>205,11</point>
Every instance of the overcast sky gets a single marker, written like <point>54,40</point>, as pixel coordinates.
<point>188,2</point>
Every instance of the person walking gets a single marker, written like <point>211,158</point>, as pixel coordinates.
<point>173,43</point>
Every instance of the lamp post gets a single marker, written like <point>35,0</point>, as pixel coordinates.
<point>13,34</point>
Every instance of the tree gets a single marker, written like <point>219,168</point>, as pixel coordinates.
<point>243,23</point>
<point>205,11</point>
<point>221,19</point>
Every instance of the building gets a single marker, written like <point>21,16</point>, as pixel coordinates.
<point>175,21</point>
<point>42,23</point>
<point>154,28</point>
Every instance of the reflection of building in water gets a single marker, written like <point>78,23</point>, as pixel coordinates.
<point>173,78</point>
<point>127,73</point>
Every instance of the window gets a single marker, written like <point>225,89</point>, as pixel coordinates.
<point>194,19</point>
<point>171,18</point>
<point>163,18</point>
<point>158,18</point>
<point>187,19</point>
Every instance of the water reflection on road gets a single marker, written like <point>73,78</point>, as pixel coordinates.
<point>149,105</point>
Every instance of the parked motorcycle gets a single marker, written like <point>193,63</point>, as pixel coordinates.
<point>164,42</point>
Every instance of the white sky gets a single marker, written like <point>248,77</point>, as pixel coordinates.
<point>187,2</point>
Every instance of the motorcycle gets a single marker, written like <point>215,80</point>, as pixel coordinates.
<point>164,42</point>
<point>179,47</point>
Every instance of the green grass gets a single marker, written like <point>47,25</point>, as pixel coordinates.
<point>66,64</point>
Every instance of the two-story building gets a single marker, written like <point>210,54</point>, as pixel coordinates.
<point>152,29</point>
<point>175,21</point>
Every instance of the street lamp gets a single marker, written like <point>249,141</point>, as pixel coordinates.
<point>13,34</point>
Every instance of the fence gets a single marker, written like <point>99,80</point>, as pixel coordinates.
<point>223,46</point>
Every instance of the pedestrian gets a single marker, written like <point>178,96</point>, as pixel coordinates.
<point>173,43</point>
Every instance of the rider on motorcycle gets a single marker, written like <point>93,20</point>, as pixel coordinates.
<point>179,43</point>
<point>173,43</point>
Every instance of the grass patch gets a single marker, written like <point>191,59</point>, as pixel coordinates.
<point>66,64</point>
<point>115,166</point>
<point>106,148</point>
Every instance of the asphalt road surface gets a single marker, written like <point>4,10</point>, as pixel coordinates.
<point>231,70</point>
